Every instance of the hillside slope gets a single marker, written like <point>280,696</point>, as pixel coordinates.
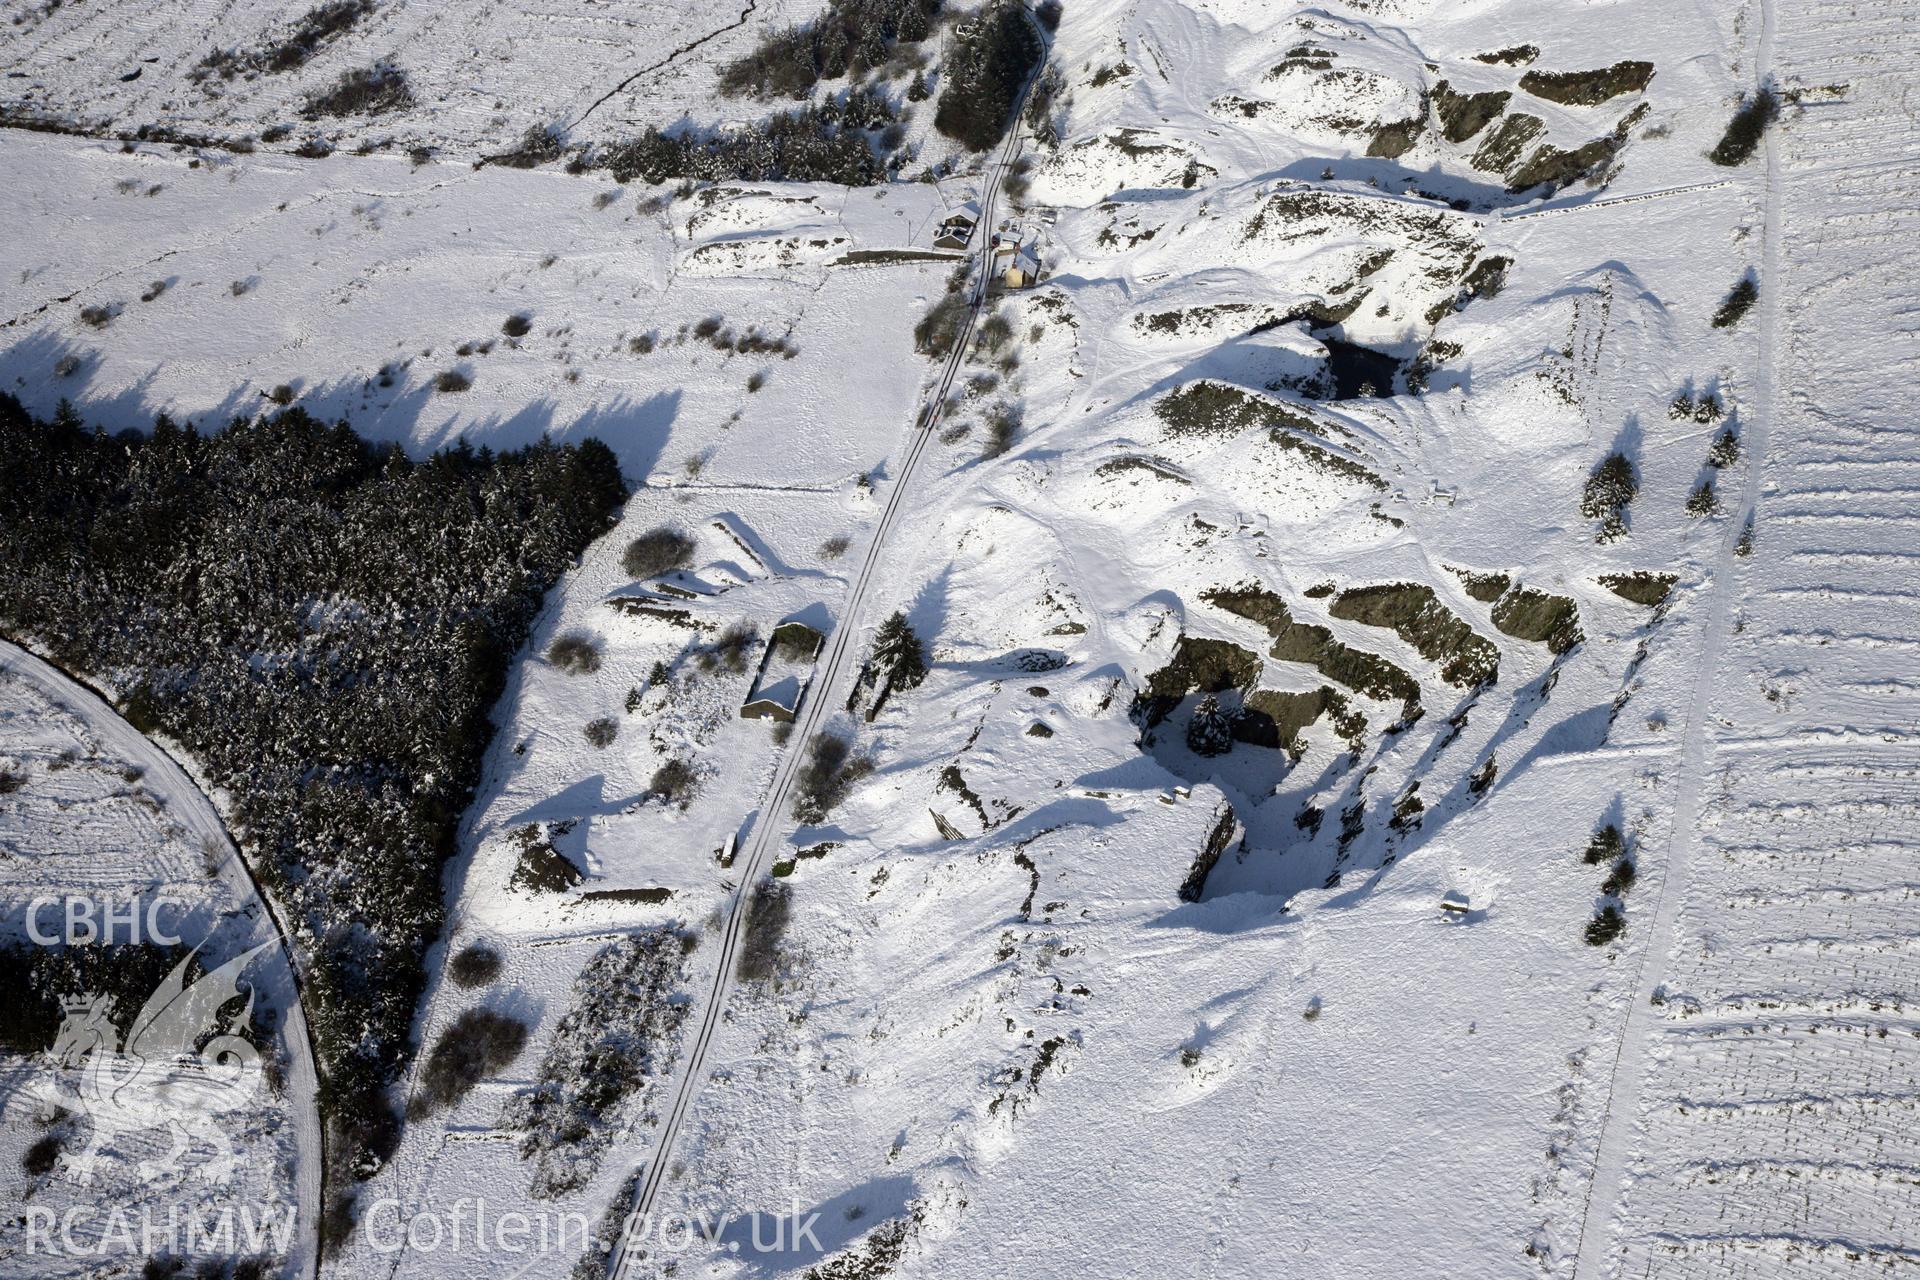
<point>1347,819</point>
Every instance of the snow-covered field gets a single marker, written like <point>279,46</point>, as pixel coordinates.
<point>997,1028</point>
<point>358,296</point>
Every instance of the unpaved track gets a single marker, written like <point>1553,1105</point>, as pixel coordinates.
<point>1622,1134</point>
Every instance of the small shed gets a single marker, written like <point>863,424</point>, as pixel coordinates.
<point>956,230</point>
<point>1023,271</point>
<point>1015,264</point>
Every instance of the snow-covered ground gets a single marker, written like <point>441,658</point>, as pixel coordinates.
<point>362,280</point>
<point>481,72</point>
<point>997,1029</point>
<point>1763,1095</point>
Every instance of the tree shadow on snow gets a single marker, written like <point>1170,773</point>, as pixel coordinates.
<point>45,367</point>
<point>771,1243</point>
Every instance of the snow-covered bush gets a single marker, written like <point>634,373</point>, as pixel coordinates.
<point>730,651</point>
<point>477,1044</point>
<point>314,29</point>
<point>940,328</point>
<point>538,145</point>
<point>576,653</point>
<point>1003,427</point>
<point>768,914</point>
<point>474,965</point>
<point>541,867</point>
<point>674,782</point>
<point>1048,91</point>
<point>994,331</point>
<point>362,91</point>
<point>826,777</point>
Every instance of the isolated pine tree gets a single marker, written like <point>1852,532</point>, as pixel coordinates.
<point>1738,302</point>
<point>898,654</point>
<point>1607,924</point>
<point>1210,732</point>
<point>1725,451</point>
<point>1607,845</point>
<point>1744,547</point>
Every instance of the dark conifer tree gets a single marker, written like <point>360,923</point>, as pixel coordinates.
<point>898,653</point>
<point>1210,732</point>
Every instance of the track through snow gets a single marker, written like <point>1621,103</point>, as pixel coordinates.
<point>1620,1129</point>
<point>769,828</point>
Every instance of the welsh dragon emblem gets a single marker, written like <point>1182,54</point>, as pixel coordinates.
<point>179,1065</point>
